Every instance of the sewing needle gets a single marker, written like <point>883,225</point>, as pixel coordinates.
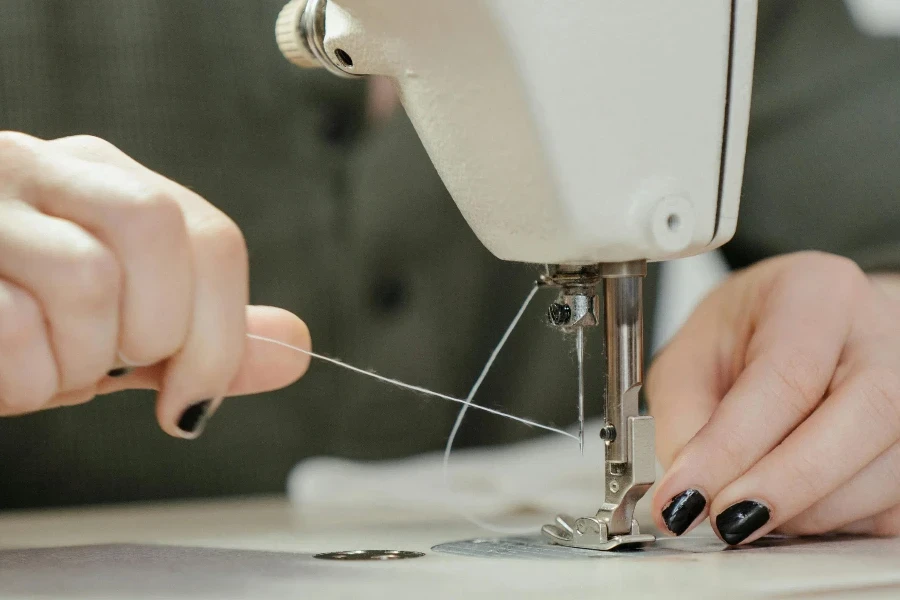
<point>579,352</point>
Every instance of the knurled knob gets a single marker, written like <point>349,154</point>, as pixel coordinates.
<point>290,39</point>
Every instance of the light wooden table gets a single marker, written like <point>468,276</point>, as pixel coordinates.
<point>258,548</point>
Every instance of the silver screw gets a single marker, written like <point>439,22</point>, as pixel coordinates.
<point>608,434</point>
<point>614,486</point>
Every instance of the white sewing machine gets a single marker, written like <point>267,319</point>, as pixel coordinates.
<point>591,136</point>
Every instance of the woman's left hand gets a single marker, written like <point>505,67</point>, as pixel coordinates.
<point>778,404</point>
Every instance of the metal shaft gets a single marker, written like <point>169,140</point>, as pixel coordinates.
<point>579,355</point>
<point>630,462</point>
<point>625,358</point>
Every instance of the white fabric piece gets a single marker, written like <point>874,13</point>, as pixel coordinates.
<point>683,284</point>
<point>541,477</point>
<point>876,17</point>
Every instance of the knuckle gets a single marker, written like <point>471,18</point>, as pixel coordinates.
<point>849,281</point>
<point>834,264</point>
<point>151,212</point>
<point>842,268</point>
<point>93,143</point>
<point>15,142</point>
<point>92,277</point>
<point>225,241</point>
<point>15,148</point>
<point>797,375</point>
<point>20,316</point>
<point>843,275</point>
<point>89,147</point>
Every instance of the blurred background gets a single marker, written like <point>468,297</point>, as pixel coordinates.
<point>349,226</point>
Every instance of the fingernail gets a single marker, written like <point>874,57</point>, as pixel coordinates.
<point>738,522</point>
<point>119,372</point>
<point>682,510</point>
<point>194,418</point>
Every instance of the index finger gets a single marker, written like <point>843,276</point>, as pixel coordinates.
<point>798,333</point>
<point>264,366</point>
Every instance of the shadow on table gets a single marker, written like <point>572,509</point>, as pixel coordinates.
<point>143,571</point>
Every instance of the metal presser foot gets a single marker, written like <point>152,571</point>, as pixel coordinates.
<point>614,525</point>
<point>592,533</point>
<point>630,457</point>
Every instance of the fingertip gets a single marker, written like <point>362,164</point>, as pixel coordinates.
<point>286,327</point>
<point>656,514</point>
<point>683,511</point>
<point>186,422</point>
<point>743,522</point>
<point>276,353</point>
<point>272,321</point>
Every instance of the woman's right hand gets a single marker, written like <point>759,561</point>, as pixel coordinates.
<point>114,277</point>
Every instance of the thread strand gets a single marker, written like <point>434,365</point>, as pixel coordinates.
<point>462,413</point>
<point>467,402</point>
<point>407,386</point>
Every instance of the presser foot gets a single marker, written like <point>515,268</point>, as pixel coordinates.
<point>592,534</point>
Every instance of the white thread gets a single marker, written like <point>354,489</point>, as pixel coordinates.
<point>407,386</point>
<point>467,402</point>
<point>462,413</point>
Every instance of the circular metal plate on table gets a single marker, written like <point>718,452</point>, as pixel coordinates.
<point>369,555</point>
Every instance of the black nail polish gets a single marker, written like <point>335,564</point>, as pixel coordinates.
<point>737,522</point>
<point>119,372</point>
<point>682,510</point>
<point>194,417</point>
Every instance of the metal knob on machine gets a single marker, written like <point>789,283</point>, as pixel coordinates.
<point>300,33</point>
<point>291,37</point>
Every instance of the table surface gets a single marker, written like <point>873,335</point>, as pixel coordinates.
<point>261,548</point>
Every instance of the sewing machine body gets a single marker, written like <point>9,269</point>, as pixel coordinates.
<point>592,136</point>
<point>572,132</point>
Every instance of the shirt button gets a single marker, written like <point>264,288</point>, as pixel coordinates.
<point>389,295</point>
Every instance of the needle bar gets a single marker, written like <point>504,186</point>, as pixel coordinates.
<point>579,352</point>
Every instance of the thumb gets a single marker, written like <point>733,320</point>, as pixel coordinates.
<point>264,367</point>
<point>267,366</point>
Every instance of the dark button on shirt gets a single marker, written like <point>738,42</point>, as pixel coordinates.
<point>389,294</point>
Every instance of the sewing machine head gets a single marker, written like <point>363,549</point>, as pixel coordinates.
<point>591,136</point>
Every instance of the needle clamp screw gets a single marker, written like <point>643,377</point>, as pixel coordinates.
<point>608,434</point>
<point>559,314</point>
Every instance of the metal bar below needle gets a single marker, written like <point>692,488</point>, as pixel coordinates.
<point>579,352</point>
<point>625,360</point>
